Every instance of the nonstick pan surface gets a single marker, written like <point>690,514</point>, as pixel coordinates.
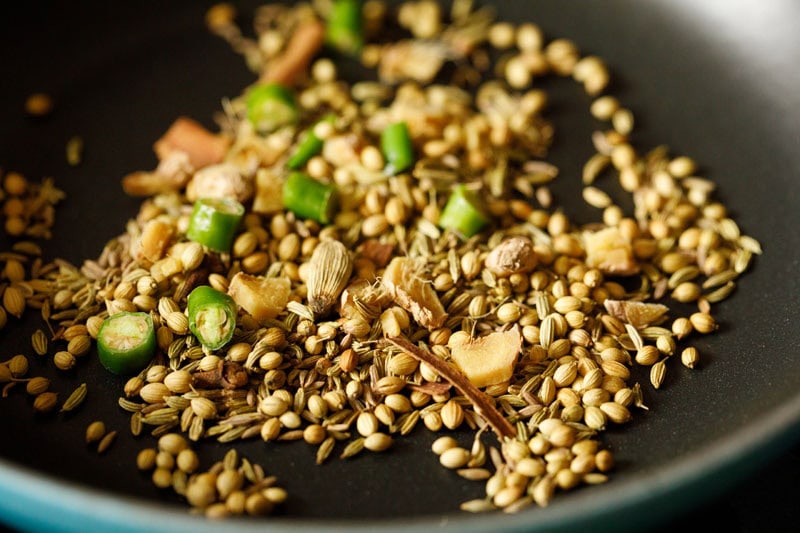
<point>713,80</point>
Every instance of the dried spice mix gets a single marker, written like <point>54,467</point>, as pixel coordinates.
<point>345,261</point>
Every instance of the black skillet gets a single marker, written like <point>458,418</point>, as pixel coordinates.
<point>716,81</point>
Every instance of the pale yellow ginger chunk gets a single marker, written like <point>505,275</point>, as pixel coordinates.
<point>637,314</point>
<point>362,299</point>
<point>223,180</point>
<point>405,281</point>
<point>269,193</point>
<point>488,360</point>
<point>156,237</point>
<point>610,252</point>
<point>263,298</point>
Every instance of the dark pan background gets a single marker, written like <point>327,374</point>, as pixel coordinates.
<point>716,81</point>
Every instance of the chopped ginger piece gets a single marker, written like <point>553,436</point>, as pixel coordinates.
<point>263,298</point>
<point>637,314</point>
<point>488,360</point>
<point>269,193</point>
<point>363,299</point>
<point>403,279</point>
<point>155,238</point>
<point>610,252</point>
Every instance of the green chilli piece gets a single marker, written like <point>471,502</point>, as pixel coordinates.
<point>310,146</point>
<point>126,342</point>
<point>214,222</point>
<point>344,29</point>
<point>464,213</point>
<point>270,106</point>
<point>309,198</point>
<point>212,316</point>
<point>397,148</point>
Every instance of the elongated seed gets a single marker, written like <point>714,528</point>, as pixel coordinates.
<point>75,398</point>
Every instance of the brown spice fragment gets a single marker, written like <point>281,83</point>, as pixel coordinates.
<point>378,253</point>
<point>481,405</point>
<point>227,374</point>
<point>195,278</point>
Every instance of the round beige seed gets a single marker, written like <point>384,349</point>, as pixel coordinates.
<point>191,256</point>
<point>204,408</point>
<point>95,431</point>
<point>201,493</point>
<point>162,477</point>
<point>372,158</point>
<point>647,355</point>
<point>398,403</point>
<point>165,460</point>
<point>452,414</point>
<point>530,467</point>
<point>270,429</point>
<point>502,35</point>
<point>177,322</point>
<point>615,412</point>
<point>235,502</point>
<point>314,434</point>
<point>18,365</point>
<point>36,385</point>
<point>529,37</point>
<point>178,381</point>
<point>594,417</point>
<point>146,459</point>
<point>682,166</point>
<point>156,373</point>
<point>374,225</point>
<point>622,121</point>
<point>276,495</point>
<point>690,357</point>
<point>454,457</point>
<point>378,442</point>
<point>228,481</point>
<point>703,322</point>
<point>258,505</point>
<point>603,108</point>
<point>508,312</point>
<point>154,392</point>
<point>273,406</point>
<point>682,327</point>
<point>687,292</point>
<point>187,461</point>
<point>604,460</point>
<point>366,423</point>
<point>63,360</point>
<point>507,495</point>
<point>442,444</point>
<point>172,443</point>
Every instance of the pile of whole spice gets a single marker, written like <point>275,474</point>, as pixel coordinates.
<point>345,260</point>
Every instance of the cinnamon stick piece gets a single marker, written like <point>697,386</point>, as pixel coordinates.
<point>303,45</point>
<point>189,136</point>
<point>482,406</point>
